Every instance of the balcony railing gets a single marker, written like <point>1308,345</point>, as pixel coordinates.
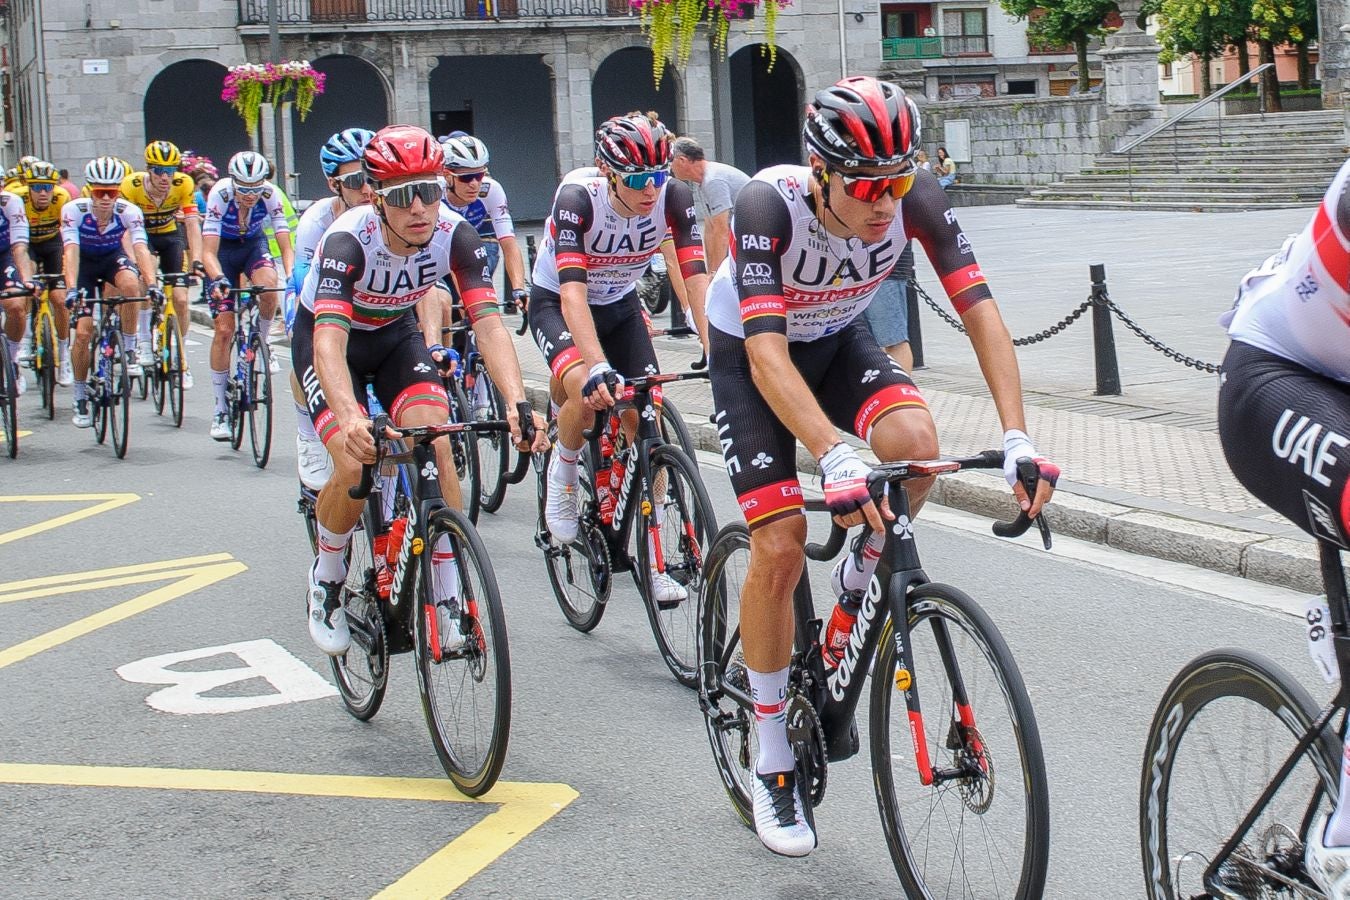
<point>305,12</point>
<point>911,48</point>
<point>967,44</point>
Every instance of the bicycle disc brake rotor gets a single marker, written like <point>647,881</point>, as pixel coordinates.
<point>808,742</point>
<point>971,754</point>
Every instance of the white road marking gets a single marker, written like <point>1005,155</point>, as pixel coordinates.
<point>292,679</point>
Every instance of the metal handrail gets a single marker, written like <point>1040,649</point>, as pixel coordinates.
<point>1196,106</point>
<point>1173,122</point>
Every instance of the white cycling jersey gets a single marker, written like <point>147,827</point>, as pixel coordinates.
<point>1297,303</point>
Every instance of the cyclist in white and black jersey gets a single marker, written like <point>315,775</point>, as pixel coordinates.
<point>340,158</point>
<point>1284,421</point>
<point>477,196</point>
<point>792,359</point>
<point>584,308</point>
<point>355,326</point>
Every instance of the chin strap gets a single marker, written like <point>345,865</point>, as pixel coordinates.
<point>406,242</point>
<point>614,192</point>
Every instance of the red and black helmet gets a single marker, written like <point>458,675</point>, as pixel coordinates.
<point>862,122</point>
<point>632,144</point>
<point>398,151</point>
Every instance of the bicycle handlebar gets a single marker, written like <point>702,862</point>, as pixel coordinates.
<point>638,385</point>
<point>885,473</point>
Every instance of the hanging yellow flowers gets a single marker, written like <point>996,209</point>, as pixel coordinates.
<point>671,25</point>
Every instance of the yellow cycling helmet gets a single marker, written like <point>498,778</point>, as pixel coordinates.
<point>162,153</point>
<point>40,172</point>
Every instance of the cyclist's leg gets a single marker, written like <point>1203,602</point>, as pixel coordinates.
<point>160,255</point>
<point>622,330</point>
<point>1285,431</point>
<point>262,273</point>
<point>47,256</point>
<point>551,335</point>
<point>233,256</point>
<point>759,452</point>
<point>91,274</point>
<point>174,259</point>
<point>15,308</point>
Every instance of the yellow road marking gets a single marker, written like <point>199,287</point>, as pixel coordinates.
<point>191,580</point>
<point>523,808</point>
<point>50,585</point>
<point>104,503</point>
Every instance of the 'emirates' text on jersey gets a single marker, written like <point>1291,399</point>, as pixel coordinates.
<point>787,274</point>
<point>1297,303</point>
<point>357,282</point>
<point>589,242</point>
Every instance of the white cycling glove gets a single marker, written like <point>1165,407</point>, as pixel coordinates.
<point>843,477</point>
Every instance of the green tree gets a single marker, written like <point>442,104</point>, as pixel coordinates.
<point>1064,22</point>
<point>1202,27</point>
<point>1279,22</point>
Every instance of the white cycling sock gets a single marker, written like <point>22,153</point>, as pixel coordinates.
<point>854,573</point>
<point>220,382</point>
<point>445,568</point>
<point>265,327</point>
<point>143,324</point>
<point>65,349</point>
<point>332,563</point>
<point>13,349</point>
<point>81,391</point>
<point>567,462</point>
<point>1338,826</point>
<point>304,425</point>
<point>130,340</point>
<point>769,691</point>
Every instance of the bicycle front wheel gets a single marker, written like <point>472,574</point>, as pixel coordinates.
<point>1226,724</point>
<point>259,405</point>
<point>176,365</point>
<point>9,402</point>
<point>119,397</point>
<point>674,430</point>
<point>466,691</point>
<point>981,828</point>
<point>464,447</point>
<point>362,673</point>
<point>494,448</point>
<point>44,360</point>
<point>156,373</point>
<point>580,572</point>
<point>672,541</point>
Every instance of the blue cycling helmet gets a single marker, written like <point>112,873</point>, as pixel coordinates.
<point>344,147</point>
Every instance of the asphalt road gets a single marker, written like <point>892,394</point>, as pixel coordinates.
<point>1097,634</point>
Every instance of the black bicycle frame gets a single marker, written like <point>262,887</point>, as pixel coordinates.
<point>1338,603</point>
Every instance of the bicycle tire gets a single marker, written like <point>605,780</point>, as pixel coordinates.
<point>259,407</point>
<point>465,451</point>
<point>119,397</point>
<point>1228,674</point>
<point>176,365</point>
<point>494,452</point>
<point>98,393</point>
<point>947,741</point>
<point>158,378</point>
<point>362,673</point>
<point>675,431</point>
<point>688,524</point>
<point>472,763</point>
<point>652,289</point>
<point>142,383</point>
<point>723,686</point>
<point>9,402</point>
<point>581,573</point>
<point>44,361</point>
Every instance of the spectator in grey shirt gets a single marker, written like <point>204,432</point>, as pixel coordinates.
<point>715,188</point>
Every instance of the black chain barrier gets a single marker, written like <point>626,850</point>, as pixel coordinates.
<point>1175,355</point>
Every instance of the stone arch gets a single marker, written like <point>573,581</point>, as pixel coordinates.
<point>356,95</point>
<point>182,104</point>
<point>766,108</point>
<point>622,82</point>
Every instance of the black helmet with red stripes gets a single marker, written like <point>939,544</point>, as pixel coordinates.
<point>630,144</point>
<point>397,151</point>
<point>862,122</point>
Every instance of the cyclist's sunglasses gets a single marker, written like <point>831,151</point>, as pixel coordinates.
<point>248,190</point>
<point>104,193</point>
<point>402,196</point>
<point>468,176</point>
<point>639,181</point>
<point>162,170</point>
<point>871,188</point>
<point>40,188</point>
<point>352,181</point>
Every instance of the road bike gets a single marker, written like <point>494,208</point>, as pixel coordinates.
<point>1239,764</point>
<point>392,592</point>
<point>966,812</point>
<point>249,392</point>
<point>165,373</point>
<point>9,384</point>
<point>46,355</point>
<point>109,383</point>
<point>647,491</point>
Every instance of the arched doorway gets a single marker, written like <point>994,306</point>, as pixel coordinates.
<point>623,83</point>
<point>183,105</point>
<point>353,97</point>
<point>507,103</point>
<point>766,109</point>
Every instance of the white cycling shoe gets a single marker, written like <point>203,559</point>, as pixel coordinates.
<point>780,815</point>
<point>327,619</point>
<point>313,462</point>
<point>666,591</point>
<point>145,357</point>
<point>187,380</point>
<point>448,634</point>
<point>220,427</point>
<point>1328,866</point>
<point>561,511</point>
<point>64,376</point>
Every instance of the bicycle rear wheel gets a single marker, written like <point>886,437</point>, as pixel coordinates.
<point>176,365</point>
<point>259,406</point>
<point>723,681</point>
<point>1225,725</point>
<point>580,572</point>
<point>981,829</point>
<point>362,673</point>
<point>119,397</point>
<point>44,360</point>
<point>465,451</point>
<point>679,529</point>
<point>494,448</point>
<point>9,401</point>
<point>466,693</point>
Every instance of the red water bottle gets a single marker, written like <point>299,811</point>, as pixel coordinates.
<point>384,578</point>
<point>397,529</point>
<point>841,625</point>
<point>616,475</point>
<point>604,497</point>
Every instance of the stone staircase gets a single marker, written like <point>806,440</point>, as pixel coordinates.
<point>1258,162</point>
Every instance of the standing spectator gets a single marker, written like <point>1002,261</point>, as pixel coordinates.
<point>944,168</point>
<point>715,188</point>
<point>69,185</point>
<point>888,313</point>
